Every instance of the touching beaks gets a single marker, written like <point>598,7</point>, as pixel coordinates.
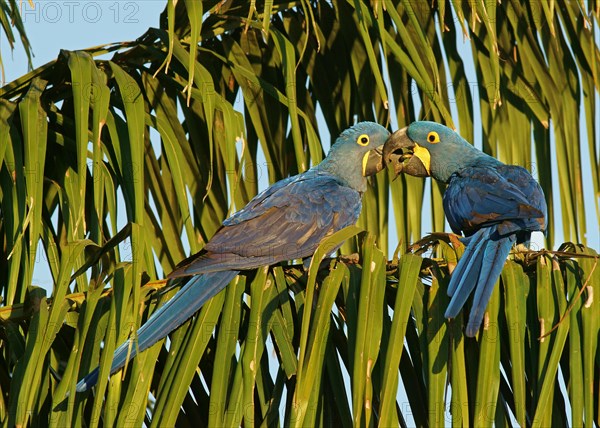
<point>372,162</point>
<point>405,155</point>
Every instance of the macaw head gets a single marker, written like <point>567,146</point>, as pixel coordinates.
<point>356,154</point>
<point>427,149</point>
<point>363,141</point>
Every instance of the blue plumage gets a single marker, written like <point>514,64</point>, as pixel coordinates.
<point>494,205</point>
<point>287,221</point>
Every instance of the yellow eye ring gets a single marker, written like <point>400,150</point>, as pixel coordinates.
<point>362,140</point>
<point>433,137</point>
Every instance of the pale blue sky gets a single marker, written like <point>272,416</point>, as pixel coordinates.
<point>54,25</point>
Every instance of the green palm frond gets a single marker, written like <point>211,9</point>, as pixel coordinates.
<point>118,161</point>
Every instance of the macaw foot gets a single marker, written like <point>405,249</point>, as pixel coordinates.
<point>525,247</point>
<point>524,252</point>
<point>350,259</point>
<point>323,265</point>
<point>432,239</point>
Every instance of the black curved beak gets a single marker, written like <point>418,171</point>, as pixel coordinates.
<point>374,162</point>
<point>398,151</point>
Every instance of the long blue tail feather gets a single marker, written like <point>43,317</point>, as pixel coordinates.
<point>479,270</point>
<point>465,275</point>
<point>493,262</point>
<point>166,319</point>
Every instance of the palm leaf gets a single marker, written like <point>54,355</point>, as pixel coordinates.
<point>114,168</point>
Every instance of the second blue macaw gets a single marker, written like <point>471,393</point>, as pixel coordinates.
<point>287,221</point>
<point>493,204</point>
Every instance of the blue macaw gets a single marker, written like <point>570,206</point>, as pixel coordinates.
<point>286,221</point>
<point>495,205</point>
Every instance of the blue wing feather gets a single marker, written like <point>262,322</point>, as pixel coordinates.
<point>477,197</point>
<point>283,223</point>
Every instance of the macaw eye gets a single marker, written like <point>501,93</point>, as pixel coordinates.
<point>433,137</point>
<point>363,140</point>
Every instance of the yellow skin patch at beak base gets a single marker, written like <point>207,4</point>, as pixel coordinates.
<point>364,163</point>
<point>423,154</point>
